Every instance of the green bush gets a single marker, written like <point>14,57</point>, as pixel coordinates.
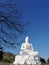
<point>42,60</point>
<point>48,60</point>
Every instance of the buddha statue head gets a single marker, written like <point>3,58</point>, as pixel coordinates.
<point>27,39</point>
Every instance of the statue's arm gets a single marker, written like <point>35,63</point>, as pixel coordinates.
<point>22,47</point>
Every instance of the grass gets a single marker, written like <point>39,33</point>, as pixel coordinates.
<point>8,63</point>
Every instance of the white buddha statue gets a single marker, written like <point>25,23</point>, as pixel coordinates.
<point>27,54</point>
<point>26,47</point>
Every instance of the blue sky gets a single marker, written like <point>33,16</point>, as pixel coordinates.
<point>36,11</point>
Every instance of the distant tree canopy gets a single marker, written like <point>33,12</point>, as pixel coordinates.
<point>10,25</point>
<point>42,60</point>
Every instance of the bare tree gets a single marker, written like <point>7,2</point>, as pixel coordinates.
<point>10,24</point>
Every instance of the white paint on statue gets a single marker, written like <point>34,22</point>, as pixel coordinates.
<point>27,54</point>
